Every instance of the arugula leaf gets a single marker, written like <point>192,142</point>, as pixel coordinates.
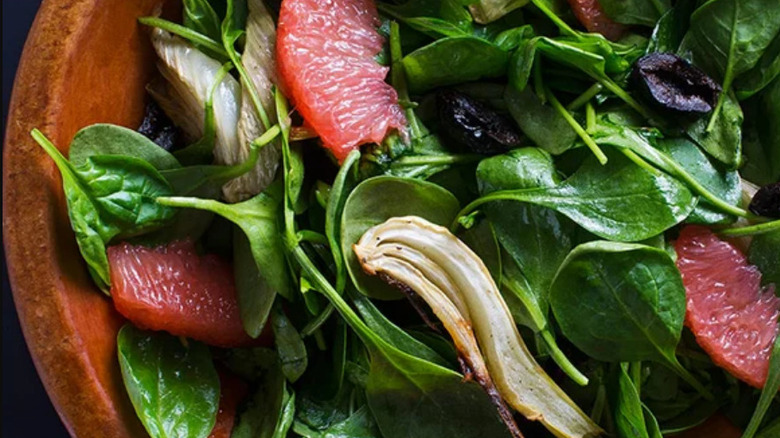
<point>109,196</point>
<point>621,201</point>
<point>174,388</point>
<point>342,185</point>
<point>622,302</point>
<point>377,199</point>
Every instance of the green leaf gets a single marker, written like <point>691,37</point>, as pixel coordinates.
<point>762,74</point>
<point>109,196</point>
<point>413,398</point>
<point>620,201</point>
<point>377,199</point>
<point>641,12</point>
<point>627,409</point>
<point>106,139</point>
<point>289,345</point>
<point>391,333</point>
<point>620,302</point>
<point>453,60</point>
<point>671,27</point>
<point>200,17</point>
<point>763,254</point>
<point>768,393</point>
<point>727,38</point>
<point>174,388</point>
<point>723,141</point>
<point>762,137</point>
<point>258,218</point>
<point>255,295</point>
<point>725,184</point>
<point>358,425</point>
<point>541,123</point>
<point>342,186</point>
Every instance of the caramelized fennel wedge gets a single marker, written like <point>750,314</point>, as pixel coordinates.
<point>459,328</point>
<point>436,254</point>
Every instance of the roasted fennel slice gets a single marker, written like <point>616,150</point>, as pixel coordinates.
<point>417,255</point>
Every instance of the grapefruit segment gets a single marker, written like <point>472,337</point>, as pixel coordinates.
<point>325,56</point>
<point>172,288</point>
<point>590,14</point>
<point>733,318</point>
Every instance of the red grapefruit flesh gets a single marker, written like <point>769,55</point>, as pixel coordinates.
<point>733,318</point>
<point>590,14</point>
<point>172,288</point>
<point>233,390</point>
<point>325,55</point>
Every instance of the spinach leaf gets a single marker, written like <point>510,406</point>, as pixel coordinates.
<point>258,218</point>
<point>199,16</point>
<point>768,393</point>
<point>174,388</point>
<point>763,253</point>
<point>620,201</point>
<point>255,295</point>
<point>762,74</point>
<point>342,185</point>
<point>391,333</point>
<point>771,430</point>
<point>453,60</point>
<point>723,140</point>
<point>642,12</point>
<point>377,199</point>
<point>267,413</point>
<point>359,425</point>
<point>481,238</point>
<point>725,184</point>
<point>432,17</point>
<point>416,399</point>
<point>726,38</point>
<point>621,302</point>
<point>541,123</point>
<point>627,408</point>
<point>762,137</point>
<point>106,139</point>
<point>289,345</point>
<point>109,196</point>
<point>671,27</point>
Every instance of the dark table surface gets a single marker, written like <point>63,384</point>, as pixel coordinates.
<point>27,411</point>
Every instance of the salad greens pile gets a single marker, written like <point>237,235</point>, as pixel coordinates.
<point>601,181</point>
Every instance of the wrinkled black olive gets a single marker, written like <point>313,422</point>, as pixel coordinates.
<point>471,124</point>
<point>766,201</point>
<point>157,127</point>
<point>671,83</point>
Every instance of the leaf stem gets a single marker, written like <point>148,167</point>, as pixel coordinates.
<point>561,360</point>
<point>418,160</point>
<point>751,230</point>
<point>315,324</point>
<point>186,33</point>
<point>587,139</point>
<point>771,386</point>
<point>624,96</point>
<point>562,26</point>
<point>689,378</point>
<point>585,97</point>
<point>312,237</point>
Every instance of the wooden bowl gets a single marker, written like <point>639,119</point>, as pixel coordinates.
<point>85,61</point>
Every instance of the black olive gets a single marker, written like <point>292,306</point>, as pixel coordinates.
<point>157,127</point>
<point>766,201</point>
<point>671,83</point>
<point>473,125</point>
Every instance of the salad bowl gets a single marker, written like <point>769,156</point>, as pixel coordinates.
<point>84,61</point>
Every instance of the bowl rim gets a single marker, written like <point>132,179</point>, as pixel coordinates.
<point>33,212</point>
